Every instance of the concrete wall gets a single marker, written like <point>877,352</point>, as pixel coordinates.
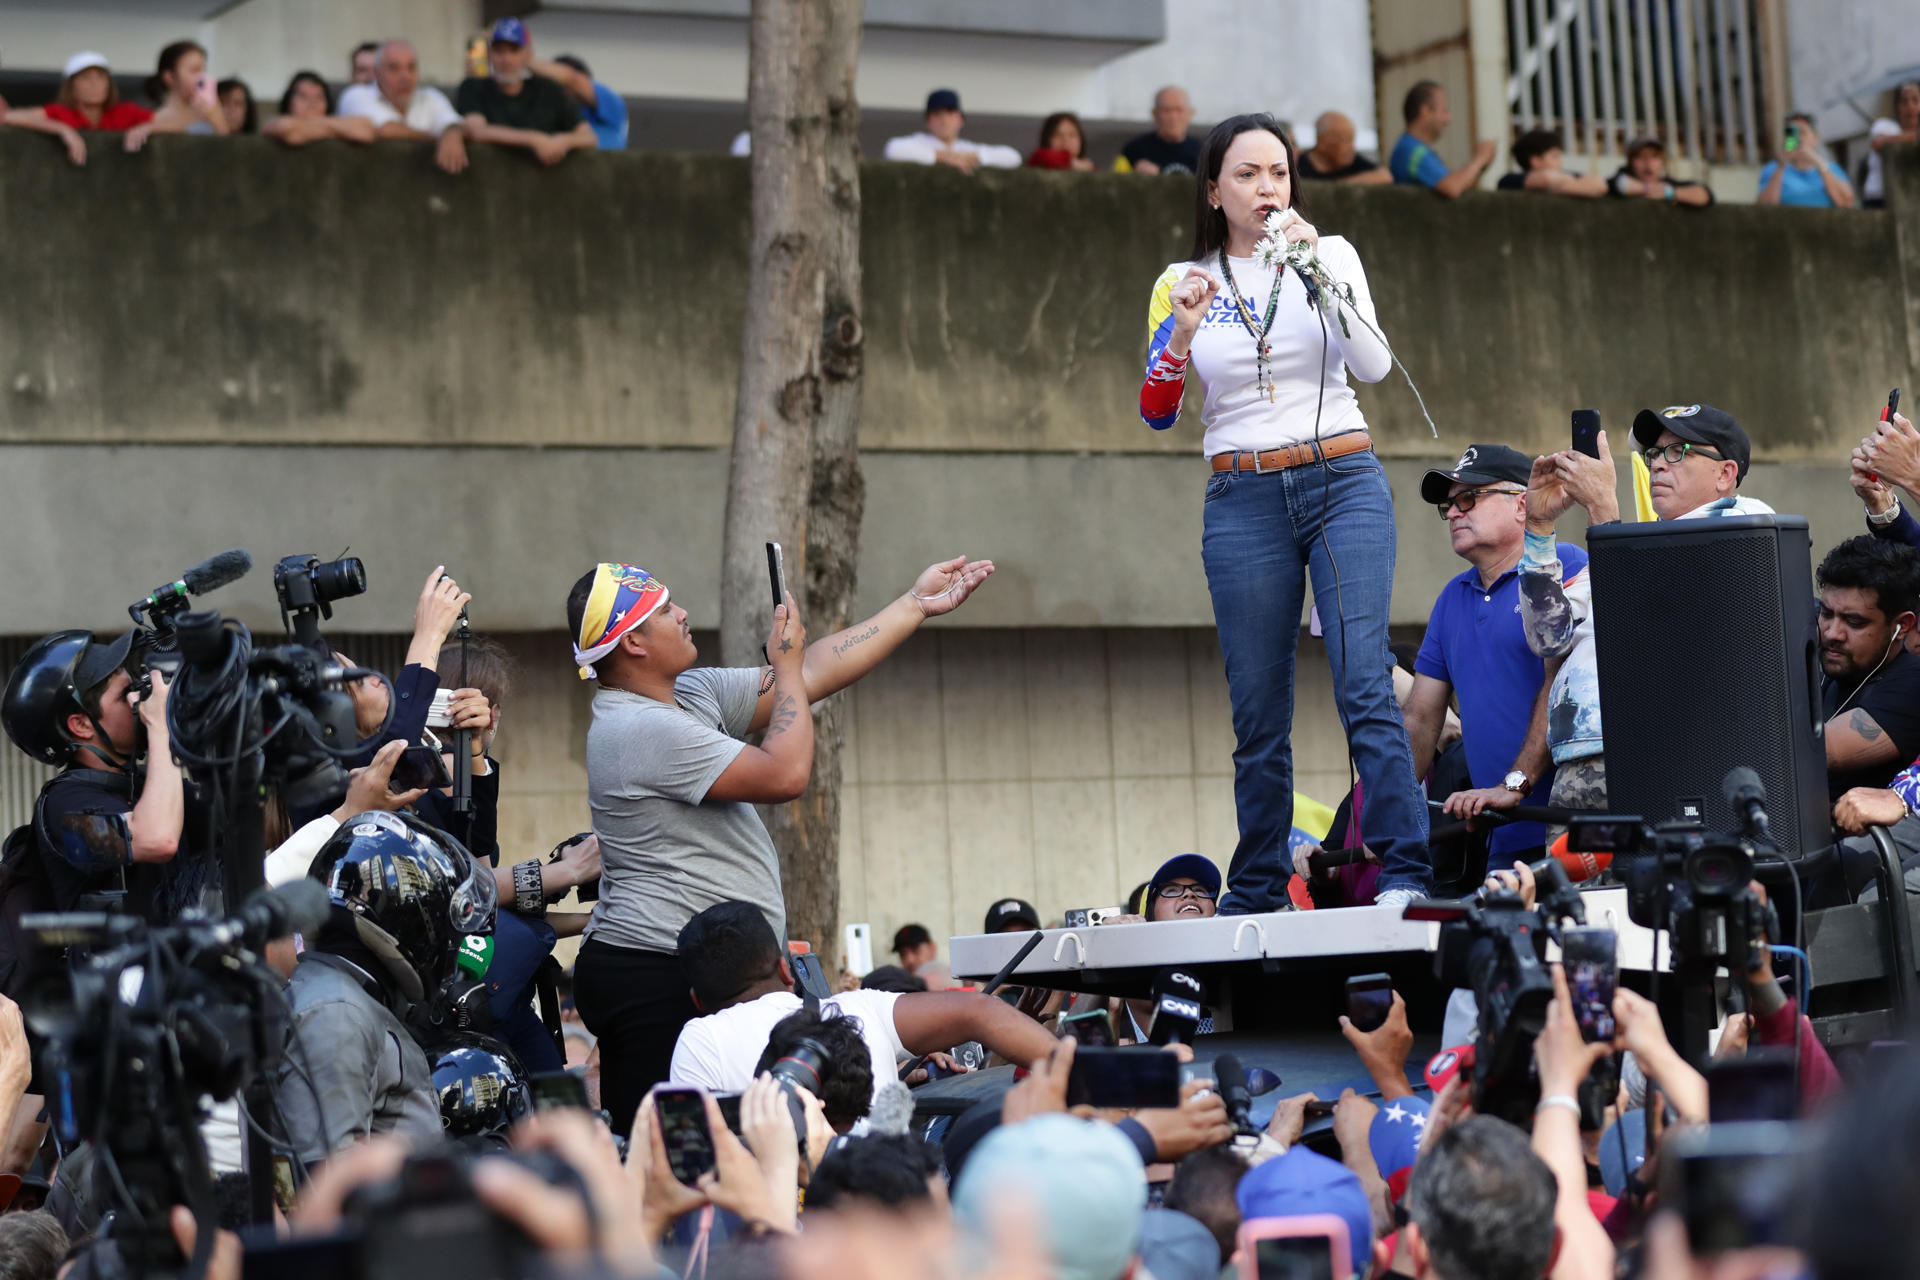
<point>330,295</point>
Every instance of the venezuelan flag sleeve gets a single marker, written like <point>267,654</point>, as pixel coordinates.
<point>1166,374</point>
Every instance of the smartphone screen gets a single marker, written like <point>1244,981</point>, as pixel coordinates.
<point>1124,1078</point>
<point>1294,1258</point>
<point>1733,1184</point>
<point>683,1129</point>
<point>1369,999</point>
<point>1759,1086</point>
<point>557,1089</point>
<point>1586,432</point>
<point>1092,1028</point>
<point>1593,976</point>
<point>419,767</point>
<point>777,573</point>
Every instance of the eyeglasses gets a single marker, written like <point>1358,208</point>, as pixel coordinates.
<point>1186,890</point>
<point>1467,497</point>
<point>1674,452</point>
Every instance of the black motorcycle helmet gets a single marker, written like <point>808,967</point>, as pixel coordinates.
<point>413,891</point>
<point>481,1085</point>
<point>47,685</point>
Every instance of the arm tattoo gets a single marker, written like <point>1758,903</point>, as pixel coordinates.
<point>858,637</point>
<point>1863,724</point>
<point>766,681</point>
<point>785,712</point>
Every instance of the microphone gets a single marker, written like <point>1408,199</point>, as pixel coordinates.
<point>300,906</point>
<point>209,575</point>
<point>892,1109</point>
<point>1178,1004</point>
<point>1746,798</point>
<point>1230,1079</point>
<point>1313,290</point>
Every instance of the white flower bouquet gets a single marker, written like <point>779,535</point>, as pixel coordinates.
<point>1279,253</point>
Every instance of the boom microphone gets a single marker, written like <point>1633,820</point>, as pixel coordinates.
<point>1746,798</point>
<point>209,575</point>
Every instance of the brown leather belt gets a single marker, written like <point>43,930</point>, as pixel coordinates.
<point>1294,454</point>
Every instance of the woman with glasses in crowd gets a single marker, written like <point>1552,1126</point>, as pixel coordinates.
<point>1293,491</point>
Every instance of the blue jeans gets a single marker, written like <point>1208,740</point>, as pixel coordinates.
<point>1263,537</point>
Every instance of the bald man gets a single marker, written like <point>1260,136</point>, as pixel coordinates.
<point>1167,149</point>
<point>1333,158</point>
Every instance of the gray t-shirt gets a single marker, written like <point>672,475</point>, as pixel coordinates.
<point>668,853</point>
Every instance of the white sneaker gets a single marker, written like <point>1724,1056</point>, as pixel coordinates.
<point>1398,899</point>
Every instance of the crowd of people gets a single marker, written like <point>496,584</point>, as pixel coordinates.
<point>552,107</point>
<point>549,107</point>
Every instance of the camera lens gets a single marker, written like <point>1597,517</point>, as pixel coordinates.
<point>338,579</point>
<point>1718,871</point>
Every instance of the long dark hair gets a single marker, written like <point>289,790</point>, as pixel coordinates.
<point>1209,223</point>
<point>299,78</point>
<point>1054,121</point>
<point>251,122</point>
<point>169,59</point>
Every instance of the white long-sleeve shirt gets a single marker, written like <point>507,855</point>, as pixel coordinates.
<point>1237,413</point>
<point>923,148</point>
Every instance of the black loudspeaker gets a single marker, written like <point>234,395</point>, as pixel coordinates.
<point>1707,646</point>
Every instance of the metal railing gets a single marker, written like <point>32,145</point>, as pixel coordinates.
<point>1693,73</point>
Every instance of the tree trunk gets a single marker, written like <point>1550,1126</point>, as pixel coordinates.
<point>795,473</point>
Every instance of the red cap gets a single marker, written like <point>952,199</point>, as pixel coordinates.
<point>1447,1064</point>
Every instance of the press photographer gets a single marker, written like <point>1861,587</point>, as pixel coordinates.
<point>118,802</point>
<point>405,897</point>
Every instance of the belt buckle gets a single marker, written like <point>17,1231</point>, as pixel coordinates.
<point>1257,468</point>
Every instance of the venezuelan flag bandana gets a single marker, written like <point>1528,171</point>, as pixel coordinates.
<point>623,597</point>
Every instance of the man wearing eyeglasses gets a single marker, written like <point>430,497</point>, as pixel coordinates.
<point>1475,646</point>
<point>1697,456</point>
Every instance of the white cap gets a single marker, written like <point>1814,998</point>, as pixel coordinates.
<point>80,62</point>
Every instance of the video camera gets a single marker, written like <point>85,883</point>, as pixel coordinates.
<point>1694,884</point>
<point>1495,945</point>
<point>151,1020</point>
<point>156,615</point>
<point>286,704</point>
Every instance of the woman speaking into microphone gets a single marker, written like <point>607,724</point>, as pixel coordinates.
<point>1293,490</point>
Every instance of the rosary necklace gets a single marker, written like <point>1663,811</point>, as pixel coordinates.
<point>1262,352</point>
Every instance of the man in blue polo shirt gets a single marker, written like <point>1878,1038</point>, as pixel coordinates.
<point>1476,646</point>
<point>1414,158</point>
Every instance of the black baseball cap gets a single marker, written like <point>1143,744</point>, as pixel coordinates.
<point>1480,464</point>
<point>1011,911</point>
<point>100,659</point>
<point>1700,424</point>
<point>942,100</point>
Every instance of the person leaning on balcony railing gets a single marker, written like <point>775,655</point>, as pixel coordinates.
<point>87,101</point>
<point>401,107</point>
<point>306,115</point>
<point>1645,175</point>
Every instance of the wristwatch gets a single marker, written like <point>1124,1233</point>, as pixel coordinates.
<point>1517,781</point>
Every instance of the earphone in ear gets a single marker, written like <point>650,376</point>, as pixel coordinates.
<point>1897,629</point>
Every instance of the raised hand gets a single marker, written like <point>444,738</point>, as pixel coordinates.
<point>945,586</point>
<point>1192,296</point>
<point>1547,496</point>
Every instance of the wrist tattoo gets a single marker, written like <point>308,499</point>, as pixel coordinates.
<point>785,712</point>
